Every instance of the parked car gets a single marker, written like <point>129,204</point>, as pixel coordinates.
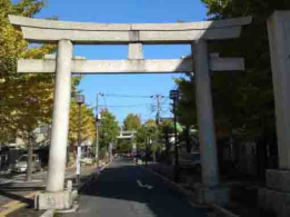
<point>20,165</point>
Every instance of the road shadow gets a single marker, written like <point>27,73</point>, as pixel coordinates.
<point>121,184</point>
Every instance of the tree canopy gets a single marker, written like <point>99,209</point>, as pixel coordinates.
<point>25,99</point>
<point>109,129</point>
<point>243,101</point>
<point>132,122</point>
<point>88,124</point>
<point>148,133</point>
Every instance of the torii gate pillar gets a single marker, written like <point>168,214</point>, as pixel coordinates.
<point>55,196</point>
<point>276,196</point>
<point>207,138</point>
<point>210,191</point>
<point>60,124</point>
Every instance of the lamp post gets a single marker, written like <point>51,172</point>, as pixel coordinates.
<point>98,122</point>
<point>80,100</point>
<point>174,95</point>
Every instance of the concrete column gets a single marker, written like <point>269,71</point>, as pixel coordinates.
<point>60,124</point>
<point>207,138</point>
<point>279,38</point>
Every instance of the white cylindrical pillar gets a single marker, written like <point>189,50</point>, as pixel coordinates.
<point>207,138</point>
<point>60,123</point>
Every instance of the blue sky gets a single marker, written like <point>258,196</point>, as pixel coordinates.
<point>133,90</point>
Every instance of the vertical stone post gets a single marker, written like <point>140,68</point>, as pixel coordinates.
<point>207,138</point>
<point>60,124</point>
<point>275,197</point>
<point>279,38</point>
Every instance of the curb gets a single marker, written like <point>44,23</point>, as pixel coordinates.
<point>92,176</point>
<point>223,211</point>
<point>215,207</point>
<point>178,188</point>
<point>48,213</point>
<point>14,205</point>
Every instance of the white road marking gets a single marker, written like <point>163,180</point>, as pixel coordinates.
<point>144,186</point>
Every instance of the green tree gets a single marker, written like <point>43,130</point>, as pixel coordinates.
<point>124,146</point>
<point>250,102</point>
<point>109,130</point>
<point>88,125</point>
<point>132,122</point>
<point>25,99</point>
<point>243,101</point>
<point>148,138</point>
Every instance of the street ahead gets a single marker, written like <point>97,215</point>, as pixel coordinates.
<point>125,190</point>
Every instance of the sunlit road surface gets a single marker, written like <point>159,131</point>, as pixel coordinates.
<point>126,190</point>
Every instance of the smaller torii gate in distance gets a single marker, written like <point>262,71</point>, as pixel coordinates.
<point>135,35</point>
<point>129,135</point>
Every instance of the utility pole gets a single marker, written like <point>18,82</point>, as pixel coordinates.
<point>98,119</point>
<point>174,95</point>
<point>158,109</point>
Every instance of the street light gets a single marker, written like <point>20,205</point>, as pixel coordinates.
<point>175,95</point>
<point>98,123</point>
<point>80,99</point>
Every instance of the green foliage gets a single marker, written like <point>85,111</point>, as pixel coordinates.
<point>124,146</point>
<point>88,126</point>
<point>109,129</point>
<point>185,115</point>
<point>243,101</point>
<point>25,99</point>
<point>132,122</point>
<point>148,133</point>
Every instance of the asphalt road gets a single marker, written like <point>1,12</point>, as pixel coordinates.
<point>126,190</point>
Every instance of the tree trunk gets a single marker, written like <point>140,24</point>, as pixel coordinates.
<point>29,158</point>
<point>167,147</point>
<point>187,139</point>
<point>154,156</point>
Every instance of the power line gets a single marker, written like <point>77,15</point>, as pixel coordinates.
<point>105,101</point>
<point>127,96</point>
<point>123,106</point>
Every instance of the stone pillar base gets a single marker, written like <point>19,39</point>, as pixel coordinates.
<point>276,196</point>
<point>55,200</point>
<point>212,195</point>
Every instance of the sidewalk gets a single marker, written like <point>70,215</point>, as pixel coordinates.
<point>243,194</point>
<point>16,195</point>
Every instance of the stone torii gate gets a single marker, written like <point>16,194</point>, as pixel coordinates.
<point>135,35</point>
<point>276,195</point>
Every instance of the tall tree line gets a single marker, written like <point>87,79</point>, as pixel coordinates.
<point>26,100</point>
<point>243,101</point>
